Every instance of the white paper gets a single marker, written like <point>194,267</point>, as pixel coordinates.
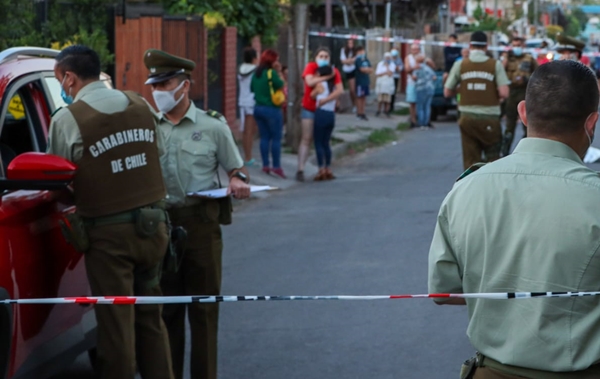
<point>222,192</point>
<point>592,155</point>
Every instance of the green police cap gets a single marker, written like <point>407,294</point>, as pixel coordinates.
<point>568,43</point>
<point>164,66</point>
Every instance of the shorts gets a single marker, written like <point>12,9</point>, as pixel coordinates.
<point>411,93</point>
<point>307,115</point>
<point>245,111</point>
<point>362,91</point>
<point>350,75</point>
<point>384,98</point>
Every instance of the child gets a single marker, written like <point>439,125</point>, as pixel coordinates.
<point>384,86</point>
<point>425,79</point>
<point>325,94</point>
<point>363,82</point>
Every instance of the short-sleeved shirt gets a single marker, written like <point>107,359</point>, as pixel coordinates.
<point>425,75</point>
<point>451,54</point>
<point>362,79</point>
<point>527,222</point>
<point>65,138</point>
<point>308,102</point>
<point>195,147</point>
<point>454,79</point>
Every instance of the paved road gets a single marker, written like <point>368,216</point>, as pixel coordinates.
<point>368,232</point>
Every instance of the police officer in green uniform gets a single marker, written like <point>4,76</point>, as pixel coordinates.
<point>519,67</point>
<point>569,48</point>
<point>119,223</point>
<point>483,83</point>
<point>197,142</point>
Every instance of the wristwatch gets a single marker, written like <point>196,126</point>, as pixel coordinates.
<point>240,175</point>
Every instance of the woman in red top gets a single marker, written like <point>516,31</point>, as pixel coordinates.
<point>309,104</point>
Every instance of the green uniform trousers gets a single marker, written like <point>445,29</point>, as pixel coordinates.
<point>481,138</point>
<point>127,334</point>
<point>515,96</point>
<point>200,274</point>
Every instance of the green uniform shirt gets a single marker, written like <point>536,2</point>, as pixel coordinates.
<point>527,222</point>
<point>65,137</point>
<point>260,87</point>
<point>194,149</point>
<point>454,80</point>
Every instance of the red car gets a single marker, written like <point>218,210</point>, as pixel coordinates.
<point>36,341</point>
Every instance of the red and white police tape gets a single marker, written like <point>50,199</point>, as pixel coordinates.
<point>226,299</point>
<point>431,43</point>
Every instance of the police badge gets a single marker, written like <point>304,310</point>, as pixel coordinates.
<point>196,136</point>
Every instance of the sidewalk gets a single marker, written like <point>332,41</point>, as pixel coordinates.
<point>348,130</point>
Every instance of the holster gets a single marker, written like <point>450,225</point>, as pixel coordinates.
<point>148,220</point>
<point>225,210</point>
<point>468,368</point>
<point>175,250</point>
<point>74,231</point>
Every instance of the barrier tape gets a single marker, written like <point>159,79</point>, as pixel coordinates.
<point>227,299</point>
<point>431,43</point>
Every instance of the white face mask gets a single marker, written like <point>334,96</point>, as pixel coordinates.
<point>165,100</point>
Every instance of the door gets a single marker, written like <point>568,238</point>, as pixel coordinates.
<point>35,260</point>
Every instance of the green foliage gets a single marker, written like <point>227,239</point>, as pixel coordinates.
<point>553,30</point>
<point>484,22</point>
<point>250,17</point>
<point>573,26</point>
<point>82,21</point>
<point>580,16</point>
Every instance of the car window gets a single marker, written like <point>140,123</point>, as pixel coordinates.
<point>20,119</point>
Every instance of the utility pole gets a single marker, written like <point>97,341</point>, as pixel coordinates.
<point>296,52</point>
<point>328,14</point>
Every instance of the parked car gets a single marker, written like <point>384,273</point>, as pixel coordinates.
<point>36,341</point>
<point>440,105</point>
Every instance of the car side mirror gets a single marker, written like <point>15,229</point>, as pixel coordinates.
<point>38,171</point>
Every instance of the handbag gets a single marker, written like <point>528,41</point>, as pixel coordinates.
<point>277,97</point>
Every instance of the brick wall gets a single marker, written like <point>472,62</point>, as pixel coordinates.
<point>229,73</point>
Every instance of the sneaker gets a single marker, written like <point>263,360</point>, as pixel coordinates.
<point>250,163</point>
<point>300,176</point>
<point>413,125</point>
<point>363,117</point>
<point>279,172</point>
<point>377,114</point>
<point>266,170</point>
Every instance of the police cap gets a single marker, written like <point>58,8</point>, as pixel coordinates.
<point>568,43</point>
<point>164,66</point>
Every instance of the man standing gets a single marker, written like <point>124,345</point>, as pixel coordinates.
<point>519,67</point>
<point>397,60</point>
<point>569,48</point>
<point>363,81</point>
<point>111,136</point>
<point>546,239</point>
<point>451,54</point>
<point>483,83</point>
<point>196,144</point>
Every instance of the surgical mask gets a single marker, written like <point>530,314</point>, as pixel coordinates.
<point>68,99</point>
<point>388,60</point>
<point>322,62</point>
<point>165,100</point>
<point>360,56</point>
<point>518,51</point>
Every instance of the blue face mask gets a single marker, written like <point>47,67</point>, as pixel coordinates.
<point>322,62</point>
<point>518,51</point>
<point>68,99</point>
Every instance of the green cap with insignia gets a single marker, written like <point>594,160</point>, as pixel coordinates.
<point>568,43</point>
<point>164,66</point>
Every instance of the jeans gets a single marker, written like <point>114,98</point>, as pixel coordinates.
<point>270,127</point>
<point>424,98</point>
<point>324,123</point>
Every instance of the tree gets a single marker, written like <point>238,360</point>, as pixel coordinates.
<point>250,17</point>
<point>423,11</point>
<point>580,16</point>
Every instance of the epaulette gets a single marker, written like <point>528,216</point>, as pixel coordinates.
<point>470,170</point>
<point>215,114</point>
<point>55,112</point>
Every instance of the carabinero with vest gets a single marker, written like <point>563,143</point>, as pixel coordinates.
<point>483,83</point>
<point>196,142</point>
<point>519,67</point>
<point>120,222</point>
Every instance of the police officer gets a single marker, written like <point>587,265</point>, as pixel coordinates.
<point>519,67</point>
<point>197,142</point>
<point>483,83</point>
<point>569,48</point>
<point>111,136</point>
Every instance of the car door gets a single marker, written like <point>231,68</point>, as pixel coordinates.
<point>35,260</point>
